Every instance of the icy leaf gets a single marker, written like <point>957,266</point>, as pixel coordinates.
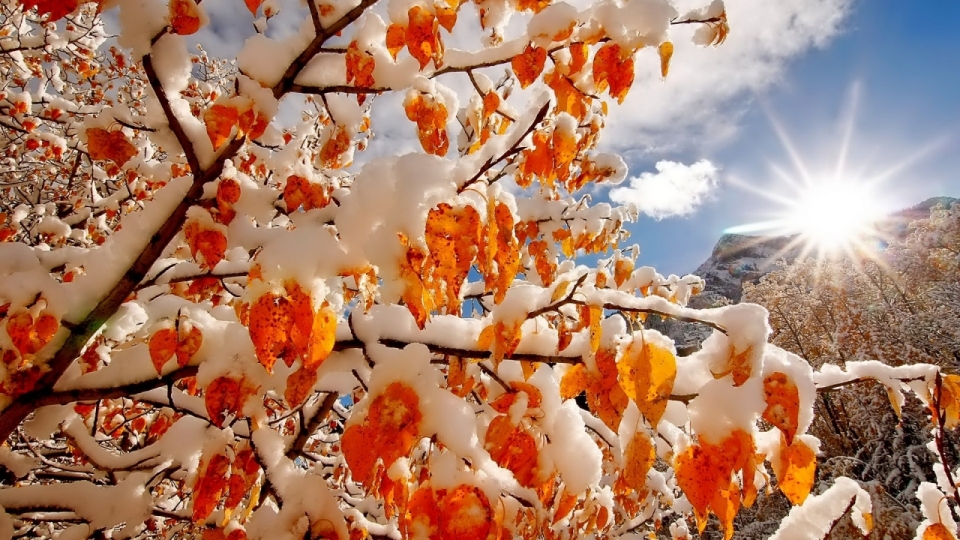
<point>299,385</point>
<point>937,531</point>
<point>666,52</point>
<point>797,470</point>
<point>783,404</point>
<point>388,432</point>
<point>112,145</point>
<point>529,64</point>
<point>396,39</point>
<point>513,449</point>
<point>613,68</point>
<point>270,321</point>
<point>465,513</point>
<point>421,37</point>
<point>253,6</point>
<point>647,374</point>
<point>29,335</point>
<point>220,121</point>
<point>638,458</point>
<point>184,17</point>
<point>210,487</point>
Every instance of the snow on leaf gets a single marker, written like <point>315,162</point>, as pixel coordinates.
<point>738,364</point>
<point>208,242</point>
<point>783,404</point>
<point>55,9</point>
<point>360,65</point>
<point>797,470</point>
<point>111,145</point>
<point>184,17</point>
<point>647,374</point>
<point>529,64</point>
<point>422,38</point>
<point>388,432</point>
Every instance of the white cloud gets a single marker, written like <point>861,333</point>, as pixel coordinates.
<point>699,103</point>
<point>674,190</point>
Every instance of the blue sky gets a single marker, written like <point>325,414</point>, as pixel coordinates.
<point>902,61</point>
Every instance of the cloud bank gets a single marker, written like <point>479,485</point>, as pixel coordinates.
<point>674,190</point>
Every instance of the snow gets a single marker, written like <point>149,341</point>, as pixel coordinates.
<point>814,518</point>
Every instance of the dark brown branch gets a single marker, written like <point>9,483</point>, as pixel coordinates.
<point>185,143</point>
<point>95,394</point>
<point>313,425</point>
<point>514,148</point>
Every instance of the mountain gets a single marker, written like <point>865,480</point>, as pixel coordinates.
<point>740,258</point>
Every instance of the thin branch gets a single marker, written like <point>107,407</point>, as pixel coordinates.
<point>313,425</point>
<point>513,149</point>
<point>95,394</point>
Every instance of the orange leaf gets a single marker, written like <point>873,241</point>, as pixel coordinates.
<point>29,335</point>
<point>465,513</point>
<point>253,6</point>
<point>447,17</point>
<point>937,531</point>
<point>421,37</point>
<point>611,68</point>
<point>491,102</point>
<point>949,399</point>
<point>388,432</point>
<point>55,9</point>
<point>574,382</point>
<point>299,385</point>
<point>228,191</point>
<point>209,487</point>
<point>188,345</point>
<point>578,57</point>
<point>647,375</point>
<point>666,52</point>
<point>220,121</point>
<point>726,504</point>
<point>210,243</point>
<point>797,470</point>
<point>704,469</point>
<point>360,65</point>
<point>529,64</point>
<point>621,271</point>
<point>270,322</point>
<point>738,364</point>
<point>396,39</point>
<point>184,17</point>
<point>783,404</point>
<point>567,502</point>
<point>638,458</point>
<point>323,336</point>
<point>162,345</point>
<point>513,449</point>
<point>112,145</point>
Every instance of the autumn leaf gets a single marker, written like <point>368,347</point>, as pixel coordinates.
<point>396,39</point>
<point>323,336</point>
<point>638,458</point>
<point>421,37</point>
<point>220,121</point>
<point>299,385</point>
<point>184,17</point>
<point>452,235</point>
<point>29,335</point>
<point>360,65</point>
<point>647,373</point>
<point>447,14</point>
<point>529,64</point>
<point>949,400</point>
<point>564,506</point>
<point>666,53</point>
<point>111,145</point>
<point>622,269</point>
<point>210,487</point>
<point>270,323</point>
<point>388,432</point>
<point>596,332</point>
<point>210,243</point>
<point>726,504</point>
<point>704,469</point>
<point>578,56</point>
<point>613,68</point>
<point>162,346</point>
<point>937,531</point>
<point>513,449</point>
<point>797,470</point>
<point>740,365</point>
<point>253,6</point>
<point>54,9</point>
<point>783,404</point>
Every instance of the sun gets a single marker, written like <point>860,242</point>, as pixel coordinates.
<point>833,216</point>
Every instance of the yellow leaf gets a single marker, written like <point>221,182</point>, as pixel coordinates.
<point>937,531</point>
<point>638,458</point>
<point>666,52</point>
<point>613,68</point>
<point>595,318</point>
<point>647,374</point>
<point>797,470</point>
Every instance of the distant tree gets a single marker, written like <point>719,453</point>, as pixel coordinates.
<point>211,325</point>
<point>899,306</point>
